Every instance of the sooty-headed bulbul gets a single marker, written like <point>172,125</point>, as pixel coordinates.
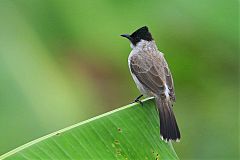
<point>153,78</point>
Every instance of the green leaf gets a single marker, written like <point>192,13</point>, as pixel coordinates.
<point>130,132</point>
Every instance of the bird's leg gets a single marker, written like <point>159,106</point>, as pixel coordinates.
<point>138,100</point>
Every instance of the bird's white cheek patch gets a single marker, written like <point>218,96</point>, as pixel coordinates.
<point>166,92</point>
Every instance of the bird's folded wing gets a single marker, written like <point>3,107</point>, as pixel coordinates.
<point>152,71</point>
<point>169,81</point>
<point>146,73</point>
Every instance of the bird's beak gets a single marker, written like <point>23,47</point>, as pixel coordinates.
<point>126,36</point>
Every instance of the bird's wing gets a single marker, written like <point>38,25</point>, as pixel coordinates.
<point>152,71</point>
<point>169,81</point>
<point>143,67</point>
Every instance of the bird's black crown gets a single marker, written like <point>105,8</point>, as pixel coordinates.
<point>140,34</point>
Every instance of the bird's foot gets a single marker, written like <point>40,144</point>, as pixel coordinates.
<point>137,100</point>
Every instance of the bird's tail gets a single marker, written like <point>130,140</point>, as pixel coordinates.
<point>168,124</point>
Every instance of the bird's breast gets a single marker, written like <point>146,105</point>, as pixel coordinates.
<point>139,85</point>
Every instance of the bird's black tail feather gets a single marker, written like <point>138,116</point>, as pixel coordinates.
<point>168,124</point>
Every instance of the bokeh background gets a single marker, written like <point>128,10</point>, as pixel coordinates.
<point>62,62</point>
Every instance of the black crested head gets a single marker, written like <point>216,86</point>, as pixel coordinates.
<point>140,34</point>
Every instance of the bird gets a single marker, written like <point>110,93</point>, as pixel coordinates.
<point>153,78</point>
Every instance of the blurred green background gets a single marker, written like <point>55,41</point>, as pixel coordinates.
<point>62,62</point>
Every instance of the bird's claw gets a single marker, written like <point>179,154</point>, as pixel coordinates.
<point>137,100</point>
